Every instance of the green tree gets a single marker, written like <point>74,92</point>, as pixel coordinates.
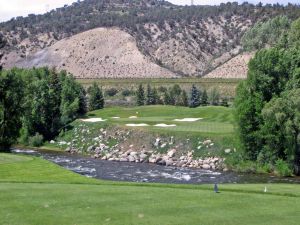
<point>214,96</point>
<point>281,129</point>
<point>183,99</point>
<point>96,100</point>
<point>195,97</point>
<point>204,98</point>
<point>11,97</point>
<point>150,96</point>
<point>140,95</point>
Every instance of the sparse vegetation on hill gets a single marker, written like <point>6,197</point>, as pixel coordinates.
<point>189,40</point>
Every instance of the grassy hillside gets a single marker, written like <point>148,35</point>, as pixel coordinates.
<point>38,192</point>
<point>215,123</point>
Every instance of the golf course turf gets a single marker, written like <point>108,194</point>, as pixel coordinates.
<point>35,191</point>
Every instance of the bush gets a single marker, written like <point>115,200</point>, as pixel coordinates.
<point>36,140</point>
<point>282,168</point>
<point>111,92</point>
<point>127,92</point>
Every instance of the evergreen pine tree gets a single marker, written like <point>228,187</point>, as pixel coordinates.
<point>140,96</point>
<point>183,99</point>
<point>204,98</point>
<point>150,97</point>
<point>195,97</point>
<point>96,100</point>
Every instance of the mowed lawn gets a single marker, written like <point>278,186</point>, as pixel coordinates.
<point>34,191</point>
<point>214,119</point>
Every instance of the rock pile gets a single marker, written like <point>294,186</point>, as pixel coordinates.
<point>168,159</point>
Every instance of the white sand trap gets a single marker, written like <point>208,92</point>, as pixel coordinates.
<point>188,119</point>
<point>165,125</point>
<point>93,120</point>
<point>115,117</point>
<point>137,125</point>
<point>132,117</point>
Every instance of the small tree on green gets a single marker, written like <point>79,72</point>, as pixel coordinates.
<point>195,97</point>
<point>183,100</point>
<point>204,98</point>
<point>96,99</point>
<point>214,96</point>
<point>150,96</point>
<point>140,95</point>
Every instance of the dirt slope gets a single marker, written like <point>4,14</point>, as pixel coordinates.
<point>236,67</point>
<point>97,53</point>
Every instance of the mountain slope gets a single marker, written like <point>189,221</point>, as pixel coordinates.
<point>187,40</point>
<point>97,53</point>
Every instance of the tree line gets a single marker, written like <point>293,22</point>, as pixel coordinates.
<point>175,95</point>
<point>39,103</point>
<point>268,105</point>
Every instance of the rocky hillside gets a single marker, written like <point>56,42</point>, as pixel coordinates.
<point>100,52</point>
<point>181,40</point>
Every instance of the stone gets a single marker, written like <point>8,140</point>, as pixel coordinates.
<point>171,153</point>
<point>123,160</point>
<point>131,158</point>
<point>133,153</point>
<point>169,162</point>
<point>207,142</point>
<point>68,149</point>
<point>206,166</point>
<point>90,148</point>
<point>161,162</point>
<point>143,156</point>
<point>52,142</point>
<point>227,151</point>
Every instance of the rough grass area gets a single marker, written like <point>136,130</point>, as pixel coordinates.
<point>39,192</point>
<point>225,86</point>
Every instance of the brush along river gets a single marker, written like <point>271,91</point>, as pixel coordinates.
<point>145,172</point>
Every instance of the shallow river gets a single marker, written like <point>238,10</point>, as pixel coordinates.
<point>146,172</point>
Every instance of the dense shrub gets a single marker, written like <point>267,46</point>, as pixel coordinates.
<point>36,140</point>
<point>111,92</point>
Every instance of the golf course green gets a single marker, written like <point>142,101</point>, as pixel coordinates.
<point>35,191</point>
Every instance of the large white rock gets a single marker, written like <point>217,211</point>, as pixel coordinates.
<point>171,153</point>
<point>206,166</point>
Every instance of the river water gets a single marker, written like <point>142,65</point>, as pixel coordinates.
<point>146,172</point>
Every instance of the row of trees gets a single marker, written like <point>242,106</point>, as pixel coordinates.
<point>177,96</point>
<point>268,104</point>
<point>41,101</point>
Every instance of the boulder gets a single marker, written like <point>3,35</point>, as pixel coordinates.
<point>123,160</point>
<point>171,153</point>
<point>206,166</point>
<point>131,158</point>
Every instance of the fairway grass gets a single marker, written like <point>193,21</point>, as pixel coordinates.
<point>215,120</point>
<point>35,191</point>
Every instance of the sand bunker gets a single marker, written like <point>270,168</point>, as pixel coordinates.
<point>188,119</point>
<point>137,125</point>
<point>115,117</point>
<point>165,125</point>
<point>93,120</point>
<point>132,117</point>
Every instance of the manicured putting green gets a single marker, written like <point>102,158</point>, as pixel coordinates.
<point>213,119</point>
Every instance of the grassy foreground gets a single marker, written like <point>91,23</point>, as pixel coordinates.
<point>34,191</point>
